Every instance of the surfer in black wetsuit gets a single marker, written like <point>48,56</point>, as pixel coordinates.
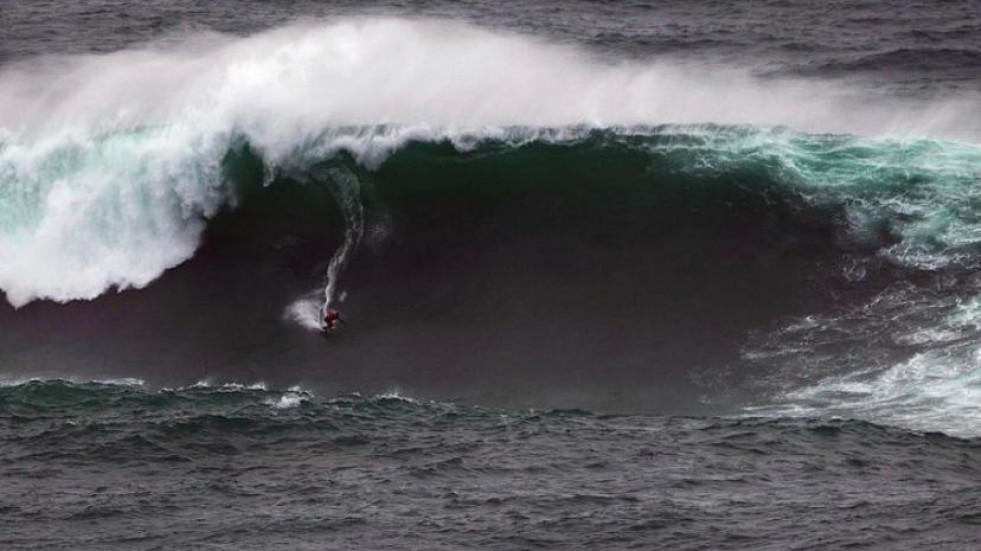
<point>331,319</point>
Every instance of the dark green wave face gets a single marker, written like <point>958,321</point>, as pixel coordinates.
<point>671,269</point>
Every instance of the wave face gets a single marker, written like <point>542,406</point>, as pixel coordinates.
<point>272,468</point>
<point>847,259</point>
<point>526,212</point>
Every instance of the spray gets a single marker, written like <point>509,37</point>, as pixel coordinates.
<point>347,191</point>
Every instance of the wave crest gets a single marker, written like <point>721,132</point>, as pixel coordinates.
<point>111,164</point>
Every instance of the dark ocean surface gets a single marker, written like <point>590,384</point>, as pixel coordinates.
<point>653,275</point>
<point>114,466</point>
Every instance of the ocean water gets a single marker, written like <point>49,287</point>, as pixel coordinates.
<point>117,466</point>
<point>669,275</point>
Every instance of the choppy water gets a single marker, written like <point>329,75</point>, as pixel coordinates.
<point>120,466</point>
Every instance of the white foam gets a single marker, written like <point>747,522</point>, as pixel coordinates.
<point>288,400</point>
<point>934,390</point>
<point>396,394</point>
<point>224,387</point>
<point>938,389</point>
<point>306,312</point>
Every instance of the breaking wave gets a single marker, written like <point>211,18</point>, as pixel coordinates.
<point>111,164</point>
<point>111,167</point>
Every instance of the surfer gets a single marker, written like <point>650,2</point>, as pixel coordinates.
<point>331,319</point>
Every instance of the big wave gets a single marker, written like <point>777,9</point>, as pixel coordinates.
<point>111,164</point>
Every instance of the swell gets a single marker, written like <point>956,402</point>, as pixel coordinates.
<point>204,410</point>
<point>175,455</point>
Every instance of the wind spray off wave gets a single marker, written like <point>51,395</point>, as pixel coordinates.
<point>310,312</point>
